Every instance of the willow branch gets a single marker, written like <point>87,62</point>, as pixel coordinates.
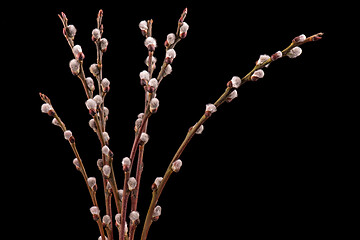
<point>157,192</point>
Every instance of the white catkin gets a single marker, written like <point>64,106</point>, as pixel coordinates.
<point>263,58</point>
<point>210,108</point>
<point>45,108</point>
<point>170,38</point>
<point>105,150</point>
<point>236,82</point>
<point>106,219</point>
<point>158,181</point>
<point>168,70</point>
<point>126,162</point>
<point>144,138</point>
<point>150,41</point>
<point>67,134</point>
<point>74,66</point>
<point>91,181</point>
<point>157,211</point>
<point>176,165</point>
<point>154,83</point>
<point>132,183</point>
<point>134,215</point>
<point>295,52</point>
<point>91,104</point>
<point>105,83</point>
<point>144,75</point>
<point>95,210</point>
<point>200,129</point>
<point>71,30</point>
<point>96,33</point>
<point>106,170</point>
<point>143,25</point>
<point>94,69</point>
<point>232,95</point>
<point>98,99</point>
<point>170,53</point>
<point>154,104</point>
<point>184,27</point>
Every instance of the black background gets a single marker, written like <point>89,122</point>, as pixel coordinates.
<point>261,167</point>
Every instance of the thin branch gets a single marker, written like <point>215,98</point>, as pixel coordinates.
<point>157,192</point>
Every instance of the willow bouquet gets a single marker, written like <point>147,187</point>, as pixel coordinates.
<point>124,194</point>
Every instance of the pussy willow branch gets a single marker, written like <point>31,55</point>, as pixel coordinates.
<point>157,192</point>
<point>143,128</point>
<point>89,94</point>
<point>81,167</point>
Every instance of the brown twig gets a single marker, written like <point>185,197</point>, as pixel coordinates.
<point>80,167</point>
<point>157,192</point>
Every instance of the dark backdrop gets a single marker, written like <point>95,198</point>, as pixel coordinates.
<point>261,166</point>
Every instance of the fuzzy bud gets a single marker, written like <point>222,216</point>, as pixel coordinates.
<point>176,165</point>
<point>46,108</point>
<point>235,82</point>
<point>170,55</point>
<point>170,39</point>
<point>210,109</point>
<point>96,34</point>
<point>143,25</point>
<point>153,85</point>
<point>134,216</point>
<point>55,122</point>
<point>183,30</point>
<point>94,69</point>
<point>67,134</point>
<point>144,77</point>
<point>106,136</point>
<point>131,183</point>
<point>200,129</point>
<point>71,31</point>
<point>105,84</point>
<point>156,183</point>
<point>150,43</point>
<point>121,193</point>
<point>106,112</point>
<point>90,83</point>
<point>153,62</point>
<point>106,171</point>
<point>117,219</point>
<point>104,44</point>
<point>78,53</point>
<point>144,138</point>
<point>95,211</point>
<point>92,183</point>
<point>74,66</point>
<point>91,104</point>
<point>138,123</point>
<point>98,99</point>
<point>92,124</point>
<point>276,55</point>
<point>156,213</point>
<point>106,220</point>
<point>231,96</point>
<point>105,150</point>
<point>100,164</point>
<point>126,163</point>
<point>263,58</point>
<point>257,74</point>
<point>168,70</point>
<point>299,38</point>
<point>154,104</point>
<point>295,52</point>
<point>76,164</point>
